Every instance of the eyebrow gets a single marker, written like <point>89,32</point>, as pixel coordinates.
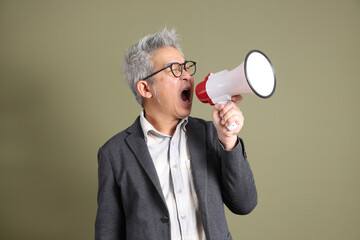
<point>169,63</point>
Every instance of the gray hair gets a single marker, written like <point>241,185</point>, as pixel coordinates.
<point>137,63</point>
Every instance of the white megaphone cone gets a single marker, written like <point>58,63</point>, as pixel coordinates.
<point>255,75</point>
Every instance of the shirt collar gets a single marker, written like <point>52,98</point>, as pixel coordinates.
<point>148,128</point>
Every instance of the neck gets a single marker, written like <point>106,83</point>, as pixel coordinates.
<point>162,124</point>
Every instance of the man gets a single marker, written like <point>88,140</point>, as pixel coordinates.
<point>168,175</point>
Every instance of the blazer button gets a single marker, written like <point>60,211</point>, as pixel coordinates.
<point>165,219</point>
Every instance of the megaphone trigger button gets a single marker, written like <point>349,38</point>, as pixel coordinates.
<point>232,126</point>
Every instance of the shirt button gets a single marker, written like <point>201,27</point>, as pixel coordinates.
<point>180,191</point>
<point>175,166</point>
<point>165,219</point>
<point>183,217</point>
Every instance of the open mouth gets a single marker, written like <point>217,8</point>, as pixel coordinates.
<point>185,95</point>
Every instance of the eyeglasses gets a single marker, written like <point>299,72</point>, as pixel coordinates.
<point>177,69</point>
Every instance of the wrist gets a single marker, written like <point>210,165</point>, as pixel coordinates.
<point>229,143</point>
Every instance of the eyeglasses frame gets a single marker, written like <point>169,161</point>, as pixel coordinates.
<point>170,66</point>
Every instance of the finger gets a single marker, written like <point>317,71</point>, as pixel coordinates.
<point>215,113</point>
<point>239,122</point>
<point>216,116</point>
<point>219,107</point>
<point>231,116</point>
<point>228,114</point>
<point>236,99</point>
<point>230,105</point>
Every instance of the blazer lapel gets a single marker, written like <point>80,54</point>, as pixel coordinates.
<point>138,146</point>
<point>197,148</point>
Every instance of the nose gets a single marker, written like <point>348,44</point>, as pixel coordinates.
<point>185,75</point>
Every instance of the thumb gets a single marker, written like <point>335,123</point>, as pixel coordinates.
<point>236,99</point>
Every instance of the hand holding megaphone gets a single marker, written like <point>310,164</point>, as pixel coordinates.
<point>255,75</point>
<point>236,99</point>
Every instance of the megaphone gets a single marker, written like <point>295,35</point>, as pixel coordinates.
<point>255,75</point>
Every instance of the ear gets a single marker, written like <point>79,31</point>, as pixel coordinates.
<point>143,88</point>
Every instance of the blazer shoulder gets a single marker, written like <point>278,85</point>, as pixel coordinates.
<point>207,125</point>
<point>119,138</point>
<point>200,121</point>
<point>115,140</point>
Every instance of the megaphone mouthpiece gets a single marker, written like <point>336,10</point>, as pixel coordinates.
<point>201,91</point>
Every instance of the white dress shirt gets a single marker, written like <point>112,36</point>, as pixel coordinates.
<point>172,163</point>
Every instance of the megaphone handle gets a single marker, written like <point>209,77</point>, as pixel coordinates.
<point>233,125</point>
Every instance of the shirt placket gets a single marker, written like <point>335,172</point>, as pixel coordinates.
<point>178,184</point>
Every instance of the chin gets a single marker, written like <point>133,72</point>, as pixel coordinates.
<point>184,113</point>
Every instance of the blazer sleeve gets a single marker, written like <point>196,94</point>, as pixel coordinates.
<point>110,219</point>
<point>238,185</point>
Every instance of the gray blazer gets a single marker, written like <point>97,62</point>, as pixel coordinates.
<point>131,204</point>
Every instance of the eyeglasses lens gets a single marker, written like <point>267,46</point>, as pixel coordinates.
<point>190,68</point>
<point>177,68</point>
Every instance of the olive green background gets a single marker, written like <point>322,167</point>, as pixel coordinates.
<point>62,95</point>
